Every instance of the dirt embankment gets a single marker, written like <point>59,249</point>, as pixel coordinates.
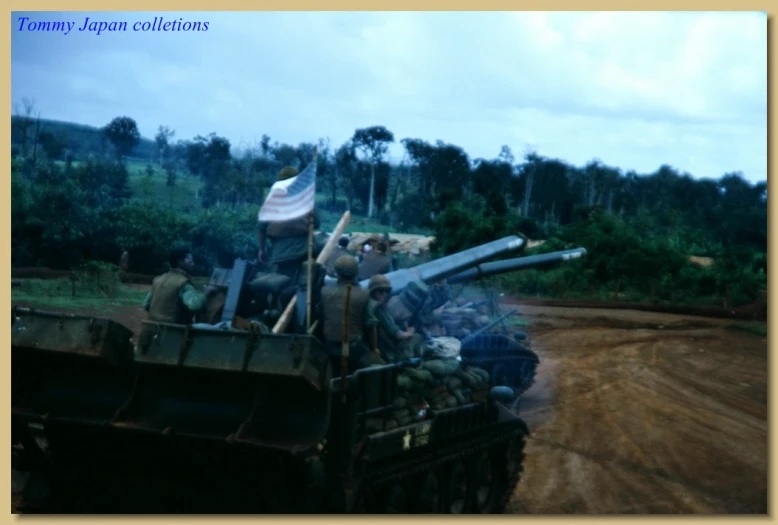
<point>638,412</point>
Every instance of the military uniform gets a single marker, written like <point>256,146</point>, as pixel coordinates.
<point>337,252</point>
<point>392,348</point>
<point>374,263</point>
<point>333,303</point>
<point>173,298</point>
<point>289,243</point>
<point>289,239</point>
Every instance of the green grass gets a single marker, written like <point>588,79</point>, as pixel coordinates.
<point>156,189</point>
<point>86,293</point>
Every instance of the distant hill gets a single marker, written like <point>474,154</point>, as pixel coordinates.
<point>82,140</point>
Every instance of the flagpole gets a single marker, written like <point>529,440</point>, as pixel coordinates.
<point>310,252</point>
<point>282,322</point>
<point>310,269</point>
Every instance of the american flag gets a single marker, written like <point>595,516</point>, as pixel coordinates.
<point>291,198</point>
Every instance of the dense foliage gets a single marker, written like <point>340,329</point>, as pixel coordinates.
<point>83,193</point>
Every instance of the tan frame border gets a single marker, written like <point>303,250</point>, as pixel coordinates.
<point>353,5</point>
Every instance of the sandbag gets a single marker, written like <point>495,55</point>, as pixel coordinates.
<point>441,367</point>
<point>419,375</point>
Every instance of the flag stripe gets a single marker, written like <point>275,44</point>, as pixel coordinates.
<point>275,200</point>
<point>302,201</point>
<point>291,199</point>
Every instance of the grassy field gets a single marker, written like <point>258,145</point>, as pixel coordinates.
<point>83,293</point>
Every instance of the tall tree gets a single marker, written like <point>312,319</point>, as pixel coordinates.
<point>123,133</point>
<point>373,143</point>
<point>162,138</point>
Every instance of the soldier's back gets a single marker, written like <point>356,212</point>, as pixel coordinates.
<point>333,300</point>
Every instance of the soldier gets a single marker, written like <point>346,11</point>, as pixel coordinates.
<point>340,249</point>
<point>289,248</point>
<point>333,302</point>
<point>396,344</point>
<point>375,262</point>
<point>173,298</point>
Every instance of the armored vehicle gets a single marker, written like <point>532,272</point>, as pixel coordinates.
<point>231,417</point>
<point>507,356</point>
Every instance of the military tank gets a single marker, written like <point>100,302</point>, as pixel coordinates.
<point>507,356</point>
<point>231,417</point>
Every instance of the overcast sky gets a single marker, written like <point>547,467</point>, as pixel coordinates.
<point>635,90</point>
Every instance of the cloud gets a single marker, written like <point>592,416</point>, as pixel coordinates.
<point>636,90</point>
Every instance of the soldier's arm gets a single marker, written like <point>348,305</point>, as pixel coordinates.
<point>192,298</point>
<point>387,324</point>
<point>371,319</point>
<point>371,326</point>
<point>147,301</point>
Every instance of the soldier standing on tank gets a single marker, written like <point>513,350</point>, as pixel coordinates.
<point>395,344</point>
<point>173,297</point>
<point>375,262</point>
<point>289,248</point>
<point>333,303</point>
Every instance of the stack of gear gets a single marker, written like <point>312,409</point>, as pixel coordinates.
<point>412,301</point>
<point>460,322</point>
<point>440,381</point>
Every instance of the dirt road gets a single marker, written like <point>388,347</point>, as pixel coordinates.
<point>635,412</point>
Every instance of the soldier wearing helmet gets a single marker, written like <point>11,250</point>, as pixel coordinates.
<point>375,262</point>
<point>333,306</point>
<point>337,252</point>
<point>289,239</point>
<point>395,343</point>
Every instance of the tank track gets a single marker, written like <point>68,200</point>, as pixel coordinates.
<point>404,472</point>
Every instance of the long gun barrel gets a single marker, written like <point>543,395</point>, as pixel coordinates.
<point>532,261</point>
<point>445,267</point>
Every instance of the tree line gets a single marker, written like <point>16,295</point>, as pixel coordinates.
<point>641,228</point>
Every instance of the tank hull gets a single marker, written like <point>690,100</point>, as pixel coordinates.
<point>229,421</point>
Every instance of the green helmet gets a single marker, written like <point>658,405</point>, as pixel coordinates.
<point>346,266</point>
<point>287,173</point>
<point>379,282</point>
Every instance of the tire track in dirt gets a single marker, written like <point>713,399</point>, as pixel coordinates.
<point>645,420</point>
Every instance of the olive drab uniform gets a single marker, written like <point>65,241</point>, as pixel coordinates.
<point>333,303</point>
<point>289,243</point>
<point>166,305</point>
<point>337,252</point>
<point>374,263</point>
<point>392,348</point>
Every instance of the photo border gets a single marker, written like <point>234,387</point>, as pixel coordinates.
<point>354,5</point>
